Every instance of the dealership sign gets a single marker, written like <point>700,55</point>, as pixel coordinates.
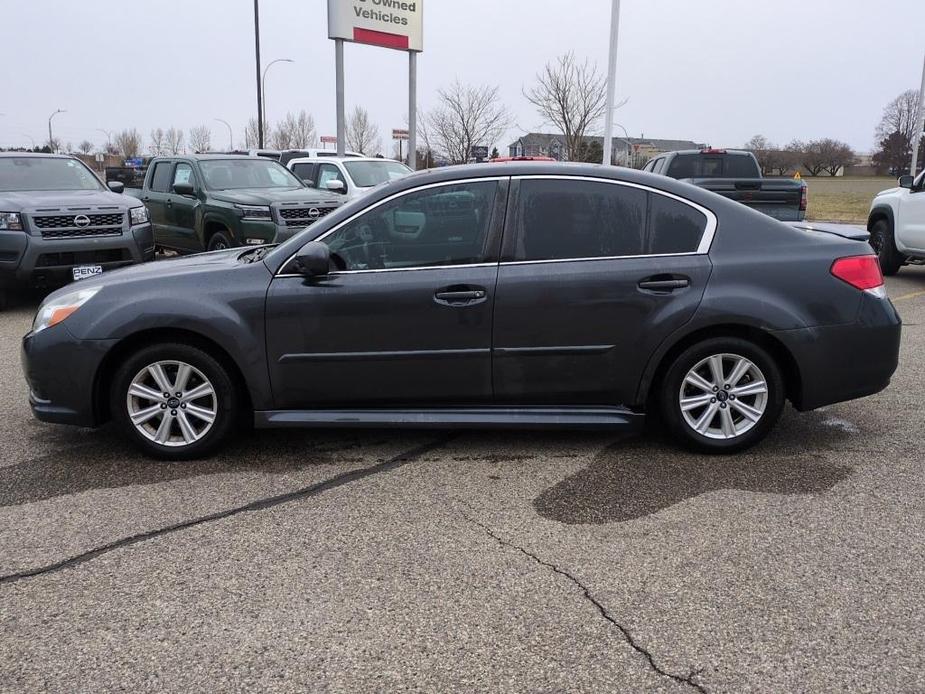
<point>388,23</point>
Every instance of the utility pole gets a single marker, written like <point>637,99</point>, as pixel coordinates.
<point>259,89</point>
<point>230,133</point>
<point>413,110</point>
<point>917,136</point>
<point>611,82</point>
<point>51,139</point>
<point>339,96</point>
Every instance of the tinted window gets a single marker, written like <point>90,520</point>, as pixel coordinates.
<point>160,179</point>
<point>45,173</point>
<point>674,227</point>
<point>716,166</point>
<point>740,166</point>
<point>304,171</point>
<point>447,225</point>
<point>183,174</point>
<point>684,166</point>
<point>560,219</point>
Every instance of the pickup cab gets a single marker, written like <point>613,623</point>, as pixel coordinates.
<point>735,174</point>
<point>206,202</point>
<point>897,224</point>
<point>348,176</point>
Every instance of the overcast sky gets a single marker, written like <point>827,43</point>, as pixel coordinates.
<point>714,71</point>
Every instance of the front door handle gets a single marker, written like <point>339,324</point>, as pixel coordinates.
<point>664,283</point>
<point>460,296</point>
<point>169,202</point>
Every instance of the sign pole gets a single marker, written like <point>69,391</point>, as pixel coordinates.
<point>413,110</point>
<point>339,78</point>
<point>917,135</point>
<point>259,91</point>
<point>611,82</point>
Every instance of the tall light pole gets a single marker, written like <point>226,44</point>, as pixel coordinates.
<point>917,135</point>
<point>626,139</point>
<point>31,139</point>
<point>259,88</point>
<point>108,134</point>
<point>230,133</point>
<point>51,139</point>
<point>611,82</point>
<point>263,82</point>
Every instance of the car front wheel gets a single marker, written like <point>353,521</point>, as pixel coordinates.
<point>175,401</point>
<point>884,245</point>
<point>722,395</point>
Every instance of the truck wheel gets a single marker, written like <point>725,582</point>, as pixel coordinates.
<point>219,242</point>
<point>722,395</point>
<point>884,245</point>
<point>175,401</point>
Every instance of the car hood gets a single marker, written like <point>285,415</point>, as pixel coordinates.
<point>268,196</point>
<point>888,191</point>
<point>54,200</point>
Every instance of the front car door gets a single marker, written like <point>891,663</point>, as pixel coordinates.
<point>329,172</point>
<point>183,209</point>
<point>155,199</point>
<point>912,216</point>
<point>595,273</point>
<point>407,318</point>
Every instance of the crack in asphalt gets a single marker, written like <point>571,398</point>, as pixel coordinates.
<point>257,505</point>
<point>627,635</point>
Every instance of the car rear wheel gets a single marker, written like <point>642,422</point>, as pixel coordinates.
<point>722,395</point>
<point>884,245</point>
<point>175,401</point>
<point>219,242</point>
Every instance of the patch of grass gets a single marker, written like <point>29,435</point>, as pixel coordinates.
<point>843,198</point>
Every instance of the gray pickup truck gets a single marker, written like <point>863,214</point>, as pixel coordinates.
<point>735,174</point>
<point>59,223</point>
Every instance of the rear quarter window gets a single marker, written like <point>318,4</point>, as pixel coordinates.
<point>674,226</point>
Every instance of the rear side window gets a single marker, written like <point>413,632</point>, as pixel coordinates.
<point>723,166</point>
<point>304,171</point>
<point>674,227</point>
<point>160,179</point>
<point>740,166</point>
<point>558,219</point>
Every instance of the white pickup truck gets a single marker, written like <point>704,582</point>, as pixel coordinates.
<point>897,224</point>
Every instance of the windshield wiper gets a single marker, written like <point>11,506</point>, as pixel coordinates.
<point>257,254</point>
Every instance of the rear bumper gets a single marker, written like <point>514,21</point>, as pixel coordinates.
<point>844,362</point>
<point>61,372</point>
<point>30,260</point>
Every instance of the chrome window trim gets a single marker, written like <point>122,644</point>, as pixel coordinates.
<point>706,241</point>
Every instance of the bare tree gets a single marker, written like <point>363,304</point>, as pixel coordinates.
<point>128,143</point>
<point>362,136</point>
<point>899,116</point>
<point>761,148</point>
<point>302,131</point>
<point>173,140</point>
<point>571,96</point>
<point>86,146</point>
<point>464,116</point>
<point>157,145</point>
<point>281,135</point>
<point>200,138</point>
<point>251,138</point>
<point>834,154</point>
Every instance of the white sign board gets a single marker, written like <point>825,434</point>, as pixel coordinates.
<point>399,134</point>
<point>394,24</point>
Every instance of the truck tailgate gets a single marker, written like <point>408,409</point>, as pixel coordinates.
<point>775,197</point>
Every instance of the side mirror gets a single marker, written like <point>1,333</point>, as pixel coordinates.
<point>313,259</point>
<point>116,186</point>
<point>184,189</point>
<point>906,181</point>
<point>336,186</point>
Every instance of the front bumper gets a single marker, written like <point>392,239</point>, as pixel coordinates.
<point>30,260</point>
<point>61,372</point>
<point>844,362</point>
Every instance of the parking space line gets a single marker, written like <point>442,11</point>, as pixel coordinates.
<point>910,295</point>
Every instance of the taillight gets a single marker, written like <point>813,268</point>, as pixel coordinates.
<point>860,271</point>
<point>803,198</point>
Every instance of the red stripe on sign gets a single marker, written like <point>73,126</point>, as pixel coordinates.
<point>380,38</point>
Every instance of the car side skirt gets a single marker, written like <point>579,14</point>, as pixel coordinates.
<point>456,418</point>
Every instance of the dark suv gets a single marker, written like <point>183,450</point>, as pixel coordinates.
<point>59,223</point>
<point>509,295</point>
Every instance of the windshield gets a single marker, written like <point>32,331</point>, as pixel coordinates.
<point>372,173</point>
<point>232,174</point>
<point>40,173</point>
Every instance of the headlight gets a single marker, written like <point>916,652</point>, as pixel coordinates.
<point>56,310</point>
<point>138,215</point>
<point>254,212</point>
<point>10,221</point>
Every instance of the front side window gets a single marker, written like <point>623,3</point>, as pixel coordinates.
<point>183,174</point>
<point>366,174</point>
<point>444,225</point>
<point>674,227</point>
<point>45,173</point>
<point>304,171</point>
<point>559,219</point>
<point>329,172</point>
<point>160,179</point>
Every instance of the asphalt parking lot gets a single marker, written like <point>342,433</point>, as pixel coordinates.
<point>385,560</point>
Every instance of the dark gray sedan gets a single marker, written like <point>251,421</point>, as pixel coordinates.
<point>514,295</point>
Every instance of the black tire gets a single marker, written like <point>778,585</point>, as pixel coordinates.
<point>218,241</point>
<point>884,245</point>
<point>670,395</point>
<point>226,402</point>
<point>4,300</point>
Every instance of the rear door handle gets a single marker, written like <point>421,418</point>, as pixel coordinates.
<point>459,297</point>
<point>169,202</point>
<point>665,285</point>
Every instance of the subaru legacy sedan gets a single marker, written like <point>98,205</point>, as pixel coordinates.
<point>529,294</point>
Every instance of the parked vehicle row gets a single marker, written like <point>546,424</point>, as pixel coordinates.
<point>897,224</point>
<point>523,294</point>
<point>348,176</point>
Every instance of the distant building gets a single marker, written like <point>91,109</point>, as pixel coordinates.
<point>627,151</point>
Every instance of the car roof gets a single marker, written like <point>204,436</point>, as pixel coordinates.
<point>37,155</point>
<point>321,160</point>
<point>211,156</point>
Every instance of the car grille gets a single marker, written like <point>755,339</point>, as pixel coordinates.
<point>64,226</point>
<point>301,216</point>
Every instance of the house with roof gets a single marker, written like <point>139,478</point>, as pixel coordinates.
<point>627,151</point>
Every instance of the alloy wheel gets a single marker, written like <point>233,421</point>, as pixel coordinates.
<point>723,396</point>
<point>172,403</point>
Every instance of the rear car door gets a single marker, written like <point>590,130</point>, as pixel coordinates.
<point>155,199</point>
<point>182,210</point>
<point>594,274</point>
<point>407,320</point>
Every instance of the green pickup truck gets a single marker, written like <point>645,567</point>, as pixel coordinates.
<point>203,202</point>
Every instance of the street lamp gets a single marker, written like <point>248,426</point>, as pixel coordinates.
<point>108,134</point>
<point>51,139</point>
<point>31,139</point>
<point>230,133</point>
<point>263,84</point>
